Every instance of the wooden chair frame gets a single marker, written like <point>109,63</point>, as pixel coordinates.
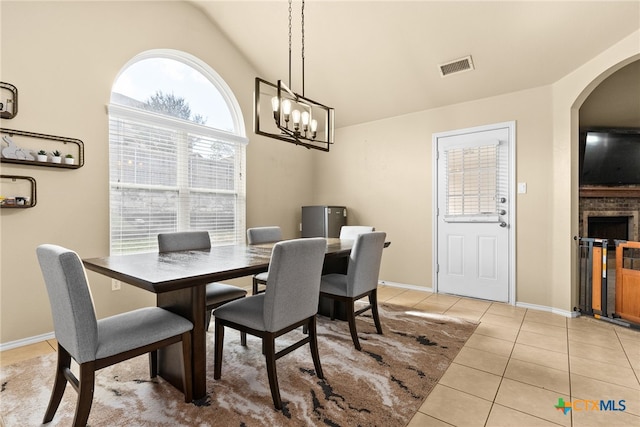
<point>268,345</point>
<point>85,385</point>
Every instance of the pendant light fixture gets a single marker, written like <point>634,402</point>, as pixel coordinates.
<point>283,114</point>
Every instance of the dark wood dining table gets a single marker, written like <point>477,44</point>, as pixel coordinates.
<point>179,278</point>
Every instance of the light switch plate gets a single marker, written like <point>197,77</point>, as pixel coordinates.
<point>522,188</point>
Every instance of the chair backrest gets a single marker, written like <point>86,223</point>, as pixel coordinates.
<point>352,231</point>
<point>293,286</point>
<point>74,317</point>
<point>364,262</point>
<point>257,235</point>
<point>183,241</point>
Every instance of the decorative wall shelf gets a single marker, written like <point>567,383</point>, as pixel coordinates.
<point>13,201</point>
<point>61,139</point>
<point>10,104</point>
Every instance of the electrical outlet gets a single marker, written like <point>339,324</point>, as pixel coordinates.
<point>116,285</point>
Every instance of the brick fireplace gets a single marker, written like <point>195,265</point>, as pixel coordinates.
<point>610,213</point>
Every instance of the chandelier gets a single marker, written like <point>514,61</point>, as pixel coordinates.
<point>292,117</point>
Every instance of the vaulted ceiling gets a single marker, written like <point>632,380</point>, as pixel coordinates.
<point>376,59</point>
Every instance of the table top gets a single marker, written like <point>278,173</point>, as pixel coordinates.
<point>168,271</point>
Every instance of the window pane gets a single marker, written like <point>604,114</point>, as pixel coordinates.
<point>138,215</point>
<point>216,213</point>
<point>141,81</point>
<point>471,180</point>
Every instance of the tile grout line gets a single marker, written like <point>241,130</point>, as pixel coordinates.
<point>493,402</point>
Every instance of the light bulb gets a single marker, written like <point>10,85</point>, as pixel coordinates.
<point>286,110</point>
<point>305,121</point>
<point>275,105</point>
<point>314,128</point>
<point>286,107</point>
<point>295,114</point>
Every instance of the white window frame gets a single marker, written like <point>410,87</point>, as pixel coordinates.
<point>183,128</point>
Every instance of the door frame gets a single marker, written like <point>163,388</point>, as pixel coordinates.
<point>511,127</point>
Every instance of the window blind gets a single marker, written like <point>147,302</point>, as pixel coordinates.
<point>168,175</point>
<point>472,181</point>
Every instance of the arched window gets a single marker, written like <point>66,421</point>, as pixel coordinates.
<point>176,153</point>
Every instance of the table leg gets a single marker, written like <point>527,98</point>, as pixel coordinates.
<point>189,303</point>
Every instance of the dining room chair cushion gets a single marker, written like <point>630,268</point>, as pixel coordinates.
<point>248,312</point>
<point>220,293</point>
<point>137,328</point>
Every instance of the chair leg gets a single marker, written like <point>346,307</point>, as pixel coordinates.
<point>187,371</point>
<point>313,343</point>
<point>270,356</point>
<point>254,289</point>
<point>373,300</point>
<point>217,355</point>
<point>332,309</point>
<point>207,320</point>
<point>85,394</point>
<point>351,318</point>
<point>153,363</point>
<point>60,382</point>
<point>243,339</point>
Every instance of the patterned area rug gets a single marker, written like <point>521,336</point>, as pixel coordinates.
<point>383,385</point>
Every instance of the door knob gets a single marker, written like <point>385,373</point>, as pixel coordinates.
<point>503,212</point>
<point>502,199</point>
<point>503,224</point>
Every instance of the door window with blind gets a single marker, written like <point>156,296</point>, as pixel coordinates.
<point>472,181</point>
<point>176,153</point>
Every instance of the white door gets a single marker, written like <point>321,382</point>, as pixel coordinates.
<point>474,212</point>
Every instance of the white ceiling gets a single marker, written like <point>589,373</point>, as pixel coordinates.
<point>376,59</point>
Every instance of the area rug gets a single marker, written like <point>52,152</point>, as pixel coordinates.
<point>382,385</point>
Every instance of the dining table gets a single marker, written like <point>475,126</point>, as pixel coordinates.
<point>179,279</point>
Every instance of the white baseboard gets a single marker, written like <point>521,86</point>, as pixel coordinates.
<point>565,313</point>
<point>405,286</point>
<point>26,341</point>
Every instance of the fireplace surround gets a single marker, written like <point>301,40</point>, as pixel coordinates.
<point>605,211</point>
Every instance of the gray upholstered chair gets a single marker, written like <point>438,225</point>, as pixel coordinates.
<point>95,344</point>
<point>351,231</point>
<point>290,301</point>
<point>256,236</point>
<point>361,280</point>
<point>216,293</point>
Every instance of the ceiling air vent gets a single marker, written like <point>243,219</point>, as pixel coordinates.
<point>456,66</point>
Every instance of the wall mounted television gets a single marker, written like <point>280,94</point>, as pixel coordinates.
<point>610,157</point>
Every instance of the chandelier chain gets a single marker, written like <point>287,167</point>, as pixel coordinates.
<point>290,43</point>
<point>302,14</point>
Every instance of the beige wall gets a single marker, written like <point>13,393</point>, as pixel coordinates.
<point>383,172</point>
<point>64,58</point>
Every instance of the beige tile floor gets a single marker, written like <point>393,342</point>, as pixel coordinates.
<point>514,367</point>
